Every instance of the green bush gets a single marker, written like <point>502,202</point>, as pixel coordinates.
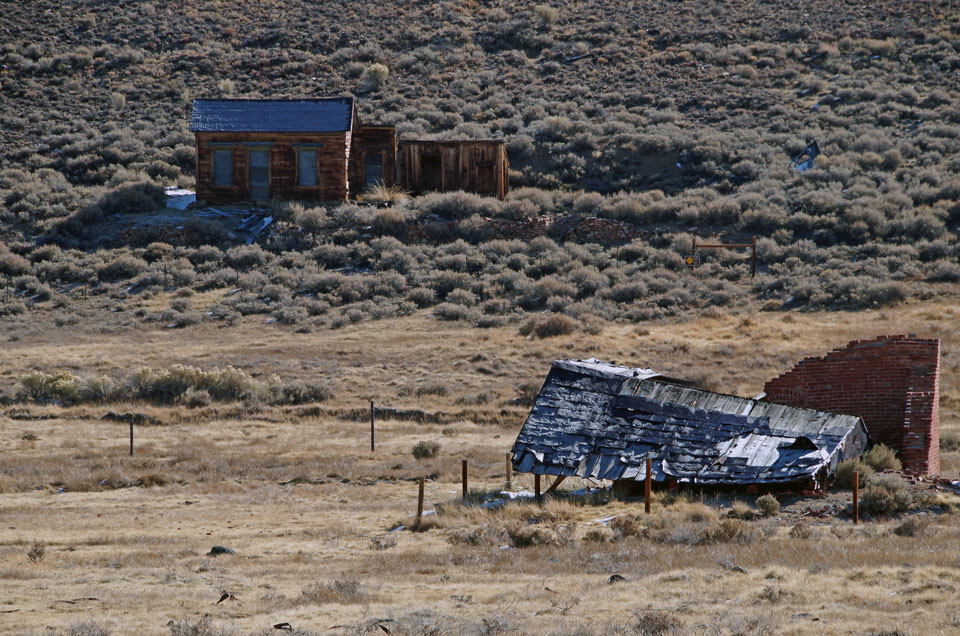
<point>881,457</point>
<point>886,495</point>
<point>37,386</point>
<point>424,449</point>
<point>844,475</point>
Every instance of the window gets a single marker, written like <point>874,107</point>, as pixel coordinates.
<point>307,168</point>
<point>222,167</point>
<point>373,170</point>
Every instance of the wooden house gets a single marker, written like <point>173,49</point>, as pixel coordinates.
<point>441,166</point>
<point>303,149</point>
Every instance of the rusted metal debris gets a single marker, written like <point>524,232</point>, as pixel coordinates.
<point>602,421</point>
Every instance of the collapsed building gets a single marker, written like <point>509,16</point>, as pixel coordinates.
<point>601,421</point>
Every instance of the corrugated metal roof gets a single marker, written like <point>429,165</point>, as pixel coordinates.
<point>599,420</point>
<point>330,114</point>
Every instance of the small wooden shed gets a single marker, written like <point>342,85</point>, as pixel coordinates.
<point>302,149</point>
<point>479,166</point>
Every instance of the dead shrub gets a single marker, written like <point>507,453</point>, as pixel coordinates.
<point>476,535</point>
<point>548,327</point>
<point>768,505</point>
<point>914,526</point>
<point>801,531</point>
<point>599,535</point>
<point>741,510</point>
<point>525,535</point>
<point>656,623</point>
<point>37,552</point>
<point>345,591</point>
<point>625,527</point>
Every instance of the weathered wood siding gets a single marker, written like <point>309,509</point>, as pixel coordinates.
<point>333,160</point>
<point>368,141</point>
<point>472,166</point>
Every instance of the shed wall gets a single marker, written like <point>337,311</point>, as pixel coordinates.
<point>472,166</point>
<point>373,140</point>
<point>892,383</point>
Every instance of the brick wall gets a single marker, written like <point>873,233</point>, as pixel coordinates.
<point>893,383</point>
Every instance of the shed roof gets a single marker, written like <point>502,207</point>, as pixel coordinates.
<point>593,419</point>
<point>320,115</point>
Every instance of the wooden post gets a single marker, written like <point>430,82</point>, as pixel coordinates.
<point>509,468</point>
<point>463,477</point>
<point>646,487</point>
<point>420,502</point>
<point>753,263</point>
<point>856,498</point>
<point>131,438</point>
<point>536,486</point>
<point>372,445</point>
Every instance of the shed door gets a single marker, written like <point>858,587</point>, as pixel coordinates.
<point>259,175</point>
<point>431,173</point>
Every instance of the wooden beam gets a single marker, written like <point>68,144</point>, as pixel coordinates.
<point>556,483</point>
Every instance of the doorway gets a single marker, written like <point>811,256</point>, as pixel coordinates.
<point>431,173</point>
<point>260,175</point>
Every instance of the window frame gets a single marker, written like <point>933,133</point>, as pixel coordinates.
<point>216,148</point>
<point>383,167</point>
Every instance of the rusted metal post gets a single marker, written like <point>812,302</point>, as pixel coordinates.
<point>536,486</point>
<point>131,438</point>
<point>646,487</point>
<point>420,502</point>
<point>463,477</point>
<point>856,498</point>
<point>753,263</point>
<point>372,444</point>
<point>509,468</point>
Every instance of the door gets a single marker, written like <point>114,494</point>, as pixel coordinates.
<point>431,173</point>
<point>260,175</point>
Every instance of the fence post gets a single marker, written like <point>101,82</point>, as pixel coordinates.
<point>463,477</point>
<point>131,438</point>
<point>536,486</point>
<point>646,487</point>
<point>509,469</point>
<point>856,498</point>
<point>371,427</point>
<point>420,502</point>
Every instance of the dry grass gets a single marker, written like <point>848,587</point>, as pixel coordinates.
<point>308,508</point>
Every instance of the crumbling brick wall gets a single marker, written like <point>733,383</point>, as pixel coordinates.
<point>893,383</point>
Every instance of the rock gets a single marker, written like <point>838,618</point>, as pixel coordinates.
<point>615,578</point>
<point>217,550</point>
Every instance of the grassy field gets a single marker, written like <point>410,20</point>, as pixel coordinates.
<point>308,508</point>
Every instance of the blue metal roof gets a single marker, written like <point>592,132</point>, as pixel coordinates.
<point>331,114</point>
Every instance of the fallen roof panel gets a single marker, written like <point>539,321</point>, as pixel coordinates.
<point>599,420</point>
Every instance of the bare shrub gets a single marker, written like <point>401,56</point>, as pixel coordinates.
<point>800,531</point>
<point>345,591</point>
<point>657,623</point>
<point>768,505</point>
<point>550,326</point>
<point>913,526</point>
<point>37,552</point>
